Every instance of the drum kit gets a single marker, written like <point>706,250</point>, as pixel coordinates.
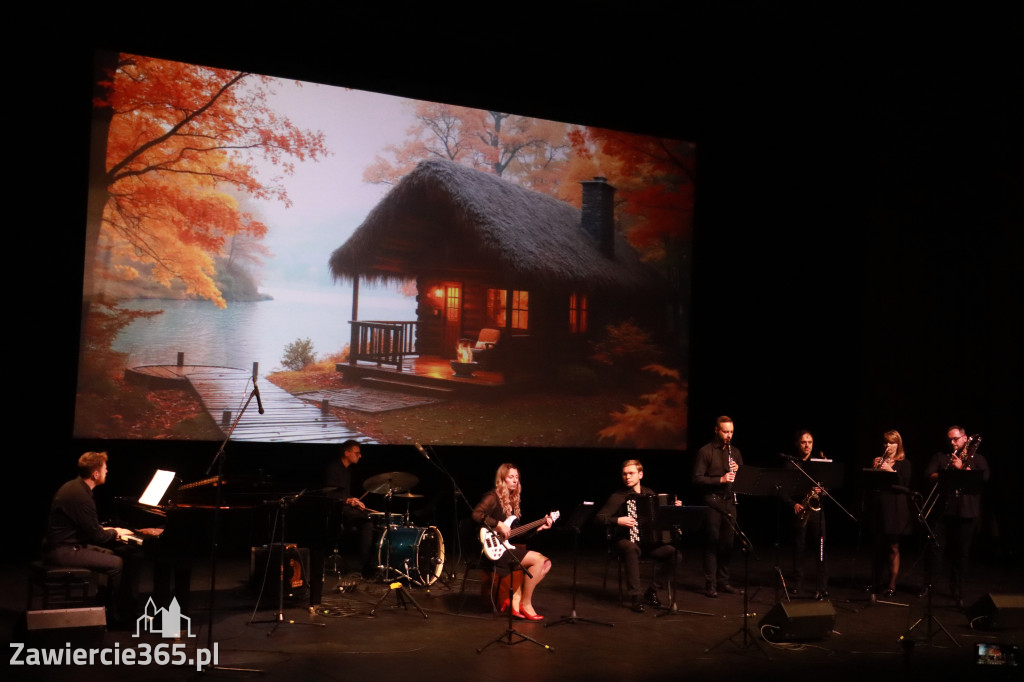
<point>404,550</point>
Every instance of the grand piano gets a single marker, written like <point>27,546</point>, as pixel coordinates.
<point>175,526</point>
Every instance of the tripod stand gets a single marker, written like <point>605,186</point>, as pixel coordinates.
<point>510,632</point>
<point>395,585</point>
<point>934,626</point>
<point>579,517</point>
<point>283,505</point>
<point>748,636</point>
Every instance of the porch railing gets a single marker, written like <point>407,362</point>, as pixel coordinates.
<point>385,342</point>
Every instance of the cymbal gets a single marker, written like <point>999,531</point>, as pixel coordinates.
<point>394,480</point>
<point>406,496</point>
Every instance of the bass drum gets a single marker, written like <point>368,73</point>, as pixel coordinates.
<point>415,552</point>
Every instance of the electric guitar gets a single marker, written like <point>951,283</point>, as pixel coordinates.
<point>494,546</point>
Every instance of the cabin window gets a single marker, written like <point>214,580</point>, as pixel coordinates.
<point>520,309</point>
<point>499,314</point>
<point>496,305</point>
<point>577,313</point>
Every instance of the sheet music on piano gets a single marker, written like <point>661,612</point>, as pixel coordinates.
<point>151,497</point>
<point>157,488</point>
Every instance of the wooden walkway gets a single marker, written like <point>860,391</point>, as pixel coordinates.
<point>286,419</point>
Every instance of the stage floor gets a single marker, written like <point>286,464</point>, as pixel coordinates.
<point>704,640</point>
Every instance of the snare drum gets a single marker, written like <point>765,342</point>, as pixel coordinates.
<point>416,552</point>
<point>378,519</point>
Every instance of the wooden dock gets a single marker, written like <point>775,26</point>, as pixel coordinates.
<point>224,391</point>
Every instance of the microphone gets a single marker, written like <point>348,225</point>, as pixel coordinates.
<point>789,457</point>
<point>422,451</point>
<point>256,391</point>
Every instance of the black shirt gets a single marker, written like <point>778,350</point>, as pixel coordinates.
<point>73,518</point>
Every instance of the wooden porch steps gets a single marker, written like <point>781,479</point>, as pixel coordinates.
<point>407,387</point>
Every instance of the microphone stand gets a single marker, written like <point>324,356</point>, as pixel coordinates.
<point>219,459</point>
<point>279,616</point>
<point>748,549</point>
<point>506,637</point>
<point>457,494</point>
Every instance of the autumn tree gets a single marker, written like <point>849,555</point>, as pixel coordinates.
<point>531,152</point>
<point>653,177</point>
<point>182,141</point>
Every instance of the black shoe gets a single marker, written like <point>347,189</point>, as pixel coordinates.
<point>710,592</point>
<point>729,589</point>
<point>651,597</point>
<point>794,591</point>
<point>924,593</point>
<point>637,606</point>
<point>821,595</point>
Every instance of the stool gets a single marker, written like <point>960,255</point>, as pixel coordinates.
<point>59,587</point>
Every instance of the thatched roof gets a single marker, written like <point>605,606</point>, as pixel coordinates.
<point>444,216</point>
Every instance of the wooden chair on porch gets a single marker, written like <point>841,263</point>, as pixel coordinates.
<point>486,346</point>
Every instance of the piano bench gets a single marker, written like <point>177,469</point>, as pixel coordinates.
<point>58,587</point>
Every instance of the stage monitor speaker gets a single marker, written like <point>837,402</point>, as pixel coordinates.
<point>296,568</point>
<point>996,611</point>
<point>799,621</point>
<point>51,619</point>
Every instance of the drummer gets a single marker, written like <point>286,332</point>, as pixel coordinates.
<point>354,517</point>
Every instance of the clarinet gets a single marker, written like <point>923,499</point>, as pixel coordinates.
<point>728,449</point>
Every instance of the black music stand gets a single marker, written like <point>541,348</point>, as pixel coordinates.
<point>785,483</point>
<point>934,626</point>
<point>675,519</point>
<point>579,517</point>
<point>506,637</point>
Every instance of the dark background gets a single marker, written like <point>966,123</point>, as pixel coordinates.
<point>856,236</point>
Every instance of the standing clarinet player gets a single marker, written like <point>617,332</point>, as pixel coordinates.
<point>714,472</point>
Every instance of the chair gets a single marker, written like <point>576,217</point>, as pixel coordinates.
<point>58,587</point>
<point>486,347</point>
<point>613,553</point>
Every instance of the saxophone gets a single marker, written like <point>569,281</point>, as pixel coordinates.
<point>811,502</point>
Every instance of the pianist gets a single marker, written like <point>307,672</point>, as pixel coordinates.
<point>620,516</point>
<point>74,536</point>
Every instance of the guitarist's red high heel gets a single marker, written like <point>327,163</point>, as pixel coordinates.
<point>504,607</point>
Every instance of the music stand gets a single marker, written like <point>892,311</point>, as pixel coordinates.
<point>674,519</point>
<point>961,482</point>
<point>579,517</point>
<point>934,626</point>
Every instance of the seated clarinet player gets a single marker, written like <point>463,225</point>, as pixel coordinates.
<point>619,516</point>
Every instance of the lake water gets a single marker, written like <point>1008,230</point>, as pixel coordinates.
<point>244,333</point>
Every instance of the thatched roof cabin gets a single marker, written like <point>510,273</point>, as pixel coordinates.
<point>443,216</point>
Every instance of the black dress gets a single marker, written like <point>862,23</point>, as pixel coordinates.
<point>893,515</point>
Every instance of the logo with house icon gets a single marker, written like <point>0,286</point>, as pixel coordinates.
<point>164,622</point>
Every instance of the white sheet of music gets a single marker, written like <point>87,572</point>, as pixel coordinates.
<point>157,487</point>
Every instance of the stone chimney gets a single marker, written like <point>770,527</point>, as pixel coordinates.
<point>598,215</point>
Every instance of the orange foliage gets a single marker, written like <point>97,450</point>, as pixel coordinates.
<point>529,151</point>
<point>181,139</point>
<point>654,181</point>
<point>660,422</point>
